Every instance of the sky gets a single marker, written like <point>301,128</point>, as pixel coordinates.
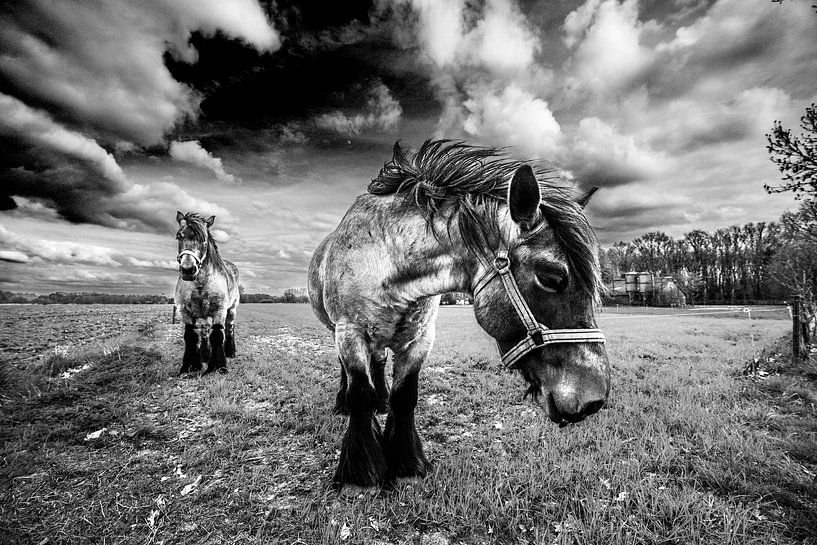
<point>273,116</point>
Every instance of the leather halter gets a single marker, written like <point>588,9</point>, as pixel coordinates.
<point>538,334</point>
<point>192,254</point>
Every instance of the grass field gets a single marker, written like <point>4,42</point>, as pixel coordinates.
<point>688,450</point>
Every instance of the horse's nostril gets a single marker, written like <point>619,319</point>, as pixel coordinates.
<point>592,407</point>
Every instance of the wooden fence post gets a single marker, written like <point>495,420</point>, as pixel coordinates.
<point>795,329</point>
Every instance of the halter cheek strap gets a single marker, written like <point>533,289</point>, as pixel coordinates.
<point>538,334</point>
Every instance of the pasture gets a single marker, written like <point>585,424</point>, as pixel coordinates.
<point>102,442</point>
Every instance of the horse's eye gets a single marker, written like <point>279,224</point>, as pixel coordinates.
<point>552,280</point>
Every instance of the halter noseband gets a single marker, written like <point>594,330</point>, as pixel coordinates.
<point>538,334</point>
<point>192,254</point>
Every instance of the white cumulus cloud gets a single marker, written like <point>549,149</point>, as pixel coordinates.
<point>191,152</point>
<point>512,117</point>
<point>382,111</point>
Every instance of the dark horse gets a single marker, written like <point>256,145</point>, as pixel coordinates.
<point>454,217</point>
<point>206,296</point>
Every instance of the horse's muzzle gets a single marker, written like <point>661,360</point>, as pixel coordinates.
<point>188,273</point>
<point>574,385</point>
<point>564,411</point>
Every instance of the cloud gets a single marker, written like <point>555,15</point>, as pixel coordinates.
<point>483,66</point>
<point>382,111</point>
<point>687,123</point>
<point>163,264</point>
<point>38,129</point>
<point>512,117</point>
<point>501,42</point>
<point>14,256</point>
<point>192,152</point>
<point>100,64</point>
<point>440,28</point>
<point>609,55</point>
<point>81,80</point>
<point>56,252</point>
<point>154,205</point>
<point>601,155</point>
<point>578,21</point>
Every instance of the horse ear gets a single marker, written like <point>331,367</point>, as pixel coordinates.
<point>179,216</point>
<point>524,197</point>
<point>582,200</point>
<point>209,221</point>
<point>399,156</point>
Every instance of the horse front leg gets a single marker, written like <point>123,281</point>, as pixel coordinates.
<point>381,386</point>
<point>361,455</point>
<point>191,360</point>
<point>218,359</point>
<point>402,445</point>
<point>204,339</point>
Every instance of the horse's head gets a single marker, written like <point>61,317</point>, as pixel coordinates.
<point>193,237</point>
<point>551,257</point>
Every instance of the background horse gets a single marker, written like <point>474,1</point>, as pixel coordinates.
<point>206,296</point>
<point>453,217</point>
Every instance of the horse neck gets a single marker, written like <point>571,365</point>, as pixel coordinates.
<point>432,265</point>
<point>208,264</point>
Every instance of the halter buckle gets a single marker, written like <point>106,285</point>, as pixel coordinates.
<point>501,262</point>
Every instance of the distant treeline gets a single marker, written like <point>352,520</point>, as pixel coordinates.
<point>754,262</point>
<point>267,298</point>
<point>84,298</point>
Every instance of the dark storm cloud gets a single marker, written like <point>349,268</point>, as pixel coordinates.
<point>83,83</point>
<point>315,74</point>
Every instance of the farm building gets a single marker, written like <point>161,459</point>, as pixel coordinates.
<point>647,288</point>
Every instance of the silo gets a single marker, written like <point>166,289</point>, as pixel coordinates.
<point>645,282</point>
<point>631,285</point>
<point>631,282</point>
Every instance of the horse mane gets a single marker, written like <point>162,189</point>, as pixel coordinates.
<point>472,182</point>
<point>198,225</point>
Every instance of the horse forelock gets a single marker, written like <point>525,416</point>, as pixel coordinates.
<point>473,182</point>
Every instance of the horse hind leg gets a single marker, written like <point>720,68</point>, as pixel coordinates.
<point>229,334</point>
<point>361,461</point>
<point>191,361</point>
<point>340,399</point>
